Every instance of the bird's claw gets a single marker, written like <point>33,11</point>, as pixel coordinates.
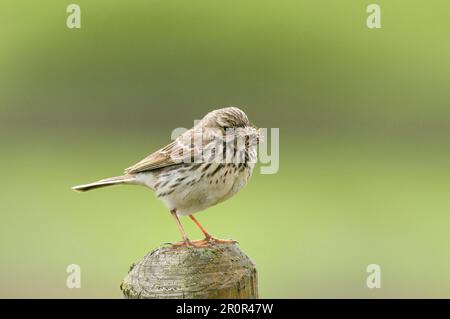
<point>207,241</point>
<point>214,240</point>
<point>190,243</point>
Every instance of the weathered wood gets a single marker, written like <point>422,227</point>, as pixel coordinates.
<point>216,271</point>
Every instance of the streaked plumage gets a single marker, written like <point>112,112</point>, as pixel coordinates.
<point>202,167</point>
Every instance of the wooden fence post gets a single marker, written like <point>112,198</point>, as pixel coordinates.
<point>215,271</point>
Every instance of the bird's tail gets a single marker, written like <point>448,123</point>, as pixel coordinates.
<point>124,179</point>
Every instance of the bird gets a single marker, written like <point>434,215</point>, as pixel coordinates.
<point>202,167</point>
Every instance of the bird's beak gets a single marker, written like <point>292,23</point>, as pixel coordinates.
<point>254,132</point>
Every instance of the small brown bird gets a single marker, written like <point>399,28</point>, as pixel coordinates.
<point>202,167</point>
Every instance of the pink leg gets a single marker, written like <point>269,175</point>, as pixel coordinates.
<point>208,237</point>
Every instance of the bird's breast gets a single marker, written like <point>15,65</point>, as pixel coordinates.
<point>195,187</point>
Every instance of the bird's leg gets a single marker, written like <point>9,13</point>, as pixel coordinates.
<point>208,237</point>
<point>186,241</point>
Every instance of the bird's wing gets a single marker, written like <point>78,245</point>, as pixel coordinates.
<point>158,159</point>
<point>181,150</point>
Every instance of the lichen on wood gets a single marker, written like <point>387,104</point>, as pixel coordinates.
<point>215,271</point>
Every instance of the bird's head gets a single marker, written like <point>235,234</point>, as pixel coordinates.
<point>233,122</point>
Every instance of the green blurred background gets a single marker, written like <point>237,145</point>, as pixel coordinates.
<point>364,153</point>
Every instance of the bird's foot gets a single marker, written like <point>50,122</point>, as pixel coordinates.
<point>213,240</point>
<point>191,243</point>
<point>200,243</point>
<point>183,243</point>
<point>208,241</point>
